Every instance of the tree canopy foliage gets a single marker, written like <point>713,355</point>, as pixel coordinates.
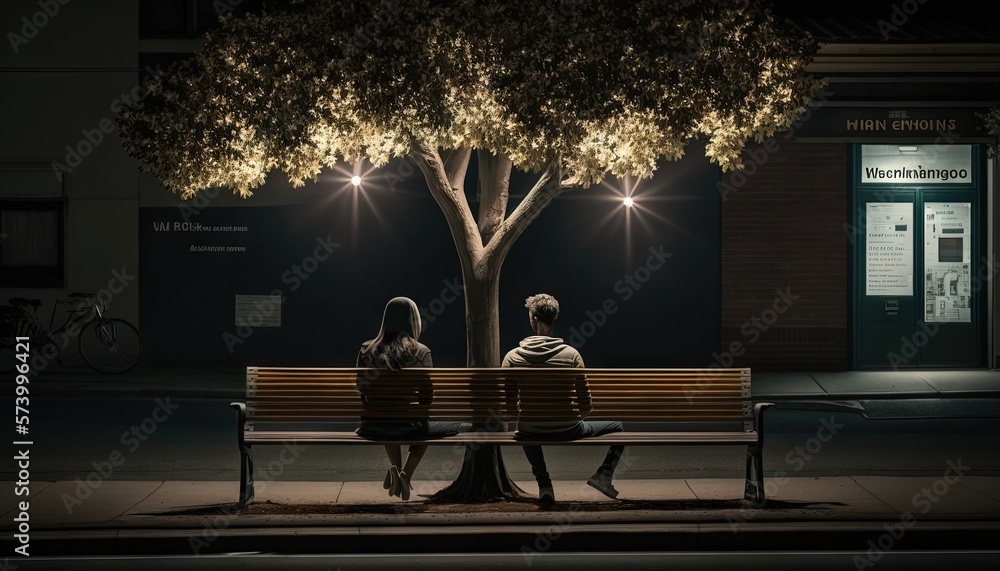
<point>593,87</point>
<point>990,122</point>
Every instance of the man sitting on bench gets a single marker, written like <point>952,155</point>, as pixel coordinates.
<point>542,350</point>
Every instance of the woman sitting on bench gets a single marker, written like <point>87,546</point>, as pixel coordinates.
<point>396,347</point>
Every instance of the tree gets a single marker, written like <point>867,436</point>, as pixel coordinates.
<point>989,121</point>
<point>574,90</point>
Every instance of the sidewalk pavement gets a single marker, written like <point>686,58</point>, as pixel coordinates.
<point>906,384</point>
<point>862,513</point>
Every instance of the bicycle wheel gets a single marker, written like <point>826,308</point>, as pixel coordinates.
<point>110,345</point>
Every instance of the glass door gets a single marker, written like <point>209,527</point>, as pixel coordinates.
<point>919,298</point>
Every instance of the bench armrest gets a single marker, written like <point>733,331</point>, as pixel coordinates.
<point>241,420</point>
<point>849,406</point>
<point>241,409</point>
<point>758,423</point>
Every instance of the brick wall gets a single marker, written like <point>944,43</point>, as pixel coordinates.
<point>782,230</point>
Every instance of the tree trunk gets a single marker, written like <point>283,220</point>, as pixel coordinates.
<point>483,477</point>
<point>482,315</point>
<point>482,249</point>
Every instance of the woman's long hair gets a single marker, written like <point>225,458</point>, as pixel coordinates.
<point>395,346</point>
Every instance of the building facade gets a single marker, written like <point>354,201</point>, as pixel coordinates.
<point>860,238</point>
<point>895,137</point>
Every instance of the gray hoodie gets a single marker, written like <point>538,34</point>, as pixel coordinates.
<point>544,351</point>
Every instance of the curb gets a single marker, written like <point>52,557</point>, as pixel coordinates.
<point>526,539</point>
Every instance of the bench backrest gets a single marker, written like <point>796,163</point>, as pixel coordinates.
<point>327,395</point>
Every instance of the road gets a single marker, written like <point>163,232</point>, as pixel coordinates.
<point>763,561</point>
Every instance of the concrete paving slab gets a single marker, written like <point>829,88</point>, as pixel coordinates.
<point>652,490</point>
<point>784,384</point>
<point>637,489</point>
<point>297,492</point>
<point>836,498</point>
<point>716,488</point>
<point>796,496</point>
<point>373,493</point>
<point>962,381</point>
<point>421,488</point>
<point>361,493</point>
<point>565,491</point>
<point>181,495</point>
<point>928,497</point>
<point>872,382</point>
<point>67,503</point>
<point>986,485</point>
<point>572,491</point>
<point>841,492</point>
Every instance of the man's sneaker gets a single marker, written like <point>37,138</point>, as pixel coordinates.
<point>602,483</point>
<point>546,496</point>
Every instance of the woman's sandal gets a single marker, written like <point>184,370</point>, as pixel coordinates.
<point>394,481</point>
<point>404,486</point>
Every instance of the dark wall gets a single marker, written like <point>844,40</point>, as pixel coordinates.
<point>659,274</point>
<point>785,258</point>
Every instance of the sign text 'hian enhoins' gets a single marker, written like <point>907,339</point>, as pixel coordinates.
<point>899,121</point>
<point>902,124</point>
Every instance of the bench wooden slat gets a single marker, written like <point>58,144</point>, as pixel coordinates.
<point>517,374</point>
<point>651,438</point>
<point>483,370</point>
<point>479,418</point>
<point>678,404</point>
<point>476,386</point>
<point>314,391</point>
<point>625,414</point>
<point>526,411</point>
<point>618,381</point>
<point>493,386</point>
<point>285,394</point>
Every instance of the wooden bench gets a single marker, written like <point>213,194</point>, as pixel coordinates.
<point>303,405</point>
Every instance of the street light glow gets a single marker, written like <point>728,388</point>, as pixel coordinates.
<point>628,201</point>
<point>356,180</point>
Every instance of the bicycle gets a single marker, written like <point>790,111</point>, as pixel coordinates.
<point>106,344</point>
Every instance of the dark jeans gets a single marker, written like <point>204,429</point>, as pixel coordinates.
<point>588,428</point>
<point>420,428</point>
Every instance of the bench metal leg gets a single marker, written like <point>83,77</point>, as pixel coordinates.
<point>246,455</point>
<point>754,487</point>
<point>246,476</point>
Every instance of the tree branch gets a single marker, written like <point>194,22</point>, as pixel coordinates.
<point>548,187</point>
<point>450,197</point>
<point>494,189</point>
<point>456,165</point>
